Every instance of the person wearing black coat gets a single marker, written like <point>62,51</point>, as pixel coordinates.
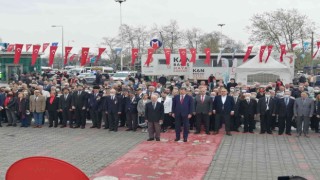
<point>23,109</point>
<point>10,105</point>
<point>80,105</point>
<point>154,114</point>
<point>65,107</point>
<point>113,104</point>
<point>131,109</point>
<point>94,106</point>
<point>285,113</point>
<point>52,106</point>
<point>247,110</point>
<point>266,109</point>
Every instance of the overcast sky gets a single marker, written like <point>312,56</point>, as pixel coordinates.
<point>87,21</point>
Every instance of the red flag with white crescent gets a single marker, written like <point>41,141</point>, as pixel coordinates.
<point>101,50</point>
<point>208,56</point>
<point>149,58</point>
<point>67,52</point>
<point>10,48</point>
<point>53,50</point>
<point>35,53</point>
<point>315,54</point>
<point>134,55</point>
<point>193,52</point>
<point>84,55</point>
<point>17,54</point>
<point>282,51</point>
<point>44,47</point>
<point>246,57</point>
<point>167,53</point>
<point>183,56</point>
<point>269,52</point>
<point>262,49</point>
<point>72,57</point>
<point>28,46</point>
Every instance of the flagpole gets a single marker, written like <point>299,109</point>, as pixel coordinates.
<point>62,44</point>
<point>312,52</point>
<point>121,58</point>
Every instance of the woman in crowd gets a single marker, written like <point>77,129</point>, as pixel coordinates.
<point>141,111</point>
<point>52,106</point>
<point>167,103</point>
<point>10,105</point>
<point>23,109</point>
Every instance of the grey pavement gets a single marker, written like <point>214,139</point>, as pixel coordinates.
<point>260,157</point>
<point>88,149</point>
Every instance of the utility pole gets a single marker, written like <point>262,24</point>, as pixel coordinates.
<point>312,52</point>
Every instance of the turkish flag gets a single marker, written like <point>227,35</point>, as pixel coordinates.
<point>262,49</point>
<point>193,52</point>
<point>208,56</point>
<point>53,50</point>
<point>167,53</point>
<point>28,46</point>
<point>44,47</point>
<point>10,48</point>
<point>246,57</point>
<point>183,56</point>
<point>134,55</point>
<point>72,57</point>
<point>84,55</point>
<point>315,54</point>
<point>293,45</point>
<point>17,54</point>
<point>269,52</point>
<point>67,51</point>
<point>149,58</point>
<point>35,53</point>
<point>282,51</point>
<point>101,50</point>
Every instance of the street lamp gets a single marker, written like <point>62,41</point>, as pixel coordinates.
<point>60,26</point>
<point>221,25</point>
<point>121,58</point>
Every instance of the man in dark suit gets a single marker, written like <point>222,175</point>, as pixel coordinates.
<point>154,114</point>
<point>223,108</point>
<point>247,110</point>
<point>202,107</point>
<point>266,109</point>
<point>114,109</point>
<point>94,103</point>
<point>65,106</point>
<point>131,111</point>
<point>285,113</point>
<point>79,105</point>
<point>182,108</point>
<point>2,98</point>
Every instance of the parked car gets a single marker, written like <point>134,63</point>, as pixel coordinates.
<point>89,77</point>
<point>120,75</point>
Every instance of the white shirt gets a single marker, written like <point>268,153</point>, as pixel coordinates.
<point>45,93</point>
<point>167,105</point>
<point>223,98</point>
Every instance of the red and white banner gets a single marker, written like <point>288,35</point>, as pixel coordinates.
<point>67,52</point>
<point>246,57</point>
<point>167,53</point>
<point>28,46</point>
<point>84,56</point>
<point>183,56</point>
<point>134,55</point>
<point>53,50</point>
<point>17,54</point>
<point>315,55</point>
<point>269,52</point>
<point>72,57</point>
<point>149,58</point>
<point>282,51</point>
<point>293,45</point>
<point>262,49</point>
<point>44,47</point>
<point>193,52</point>
<point>208,56</point>
<point>35,53</point>
<point>10,47</point>
<point>101,50</point>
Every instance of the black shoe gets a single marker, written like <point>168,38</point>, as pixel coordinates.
<point>150,139</point>
<point>82,127</point>
<point>134,130</point>
<point>98,127</point>
<point>76,127</point>
<point>236,130</point>
<point>280,134</point>
<point>0,125</point>
<point>269,132</point>
<point>261,132</point>
<point>116,130</point>
<point>9,125</point>
<point>197,133</point>
<point>208,133</point>
<point>14,125</point>
<point>228,134</point>
<point>245,131</point>
<point>50,126</point>
<point>129,129</point>
<point>289,134</point>
<point>251,132</point>
<point>105,128</point>
<point>177,139</point>
<point>157,139</point>
<point>185,140</point>
<point>93,127</point>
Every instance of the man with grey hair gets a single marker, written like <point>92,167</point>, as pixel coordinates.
<point>303,111</point>
<point>285,113</point>
<point>247,111</point>
<point>154,115</point>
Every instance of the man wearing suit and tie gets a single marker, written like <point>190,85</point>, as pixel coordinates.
<point>266,109</point>
<point>131,107</point>
<point>247,110</point>
<point>65,106</point>
<point>285,113</point>
<point>223,108</point>
<point>202,107</point>
<point>37,107</point>
<point>303,111</point>
<point>113,109</point>
<point>94,103</point>
<point>79,105</point>
<point>154,114</point>
<point>182,109</point>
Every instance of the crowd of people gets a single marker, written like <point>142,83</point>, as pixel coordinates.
<point>154,106</point>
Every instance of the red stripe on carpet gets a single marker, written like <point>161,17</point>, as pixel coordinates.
<point>166,159</point>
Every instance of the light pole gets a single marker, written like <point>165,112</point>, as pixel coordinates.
<point>62,52</point>
<point>121,58</point>
<point>221,25</point>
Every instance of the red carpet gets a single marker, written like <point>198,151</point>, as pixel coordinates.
<point>166,159</point>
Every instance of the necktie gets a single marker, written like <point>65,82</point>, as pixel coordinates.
<point>287,101</point>
<point>181,99</point>
<point>65,97</point>
<point>112,97</point>
<point>202,98</point>
<point>154,105</point>
<point>248,101</point>
<point>79,93</point>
